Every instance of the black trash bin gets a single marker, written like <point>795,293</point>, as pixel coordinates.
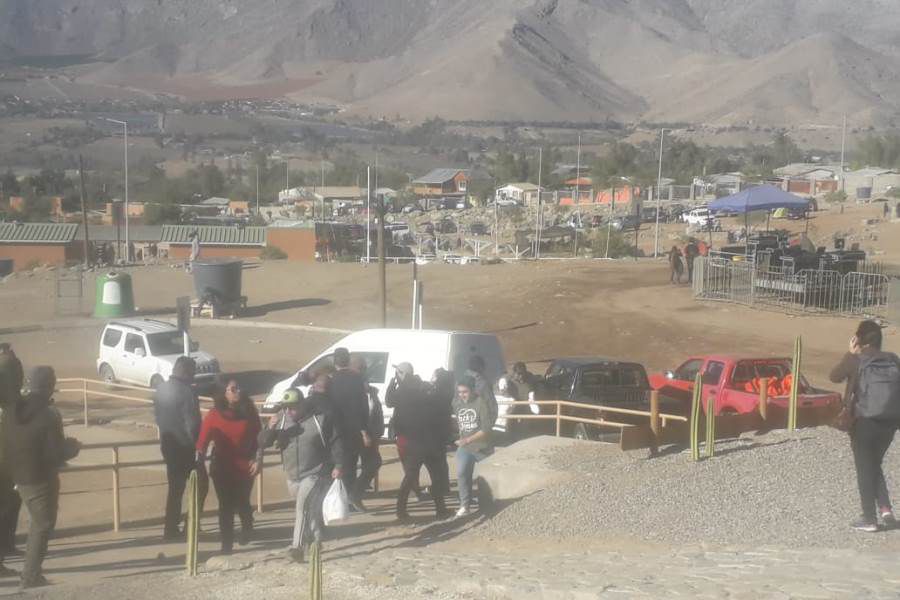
<point>218,280</point>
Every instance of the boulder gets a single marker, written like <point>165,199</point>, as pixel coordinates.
<point>522,468</point>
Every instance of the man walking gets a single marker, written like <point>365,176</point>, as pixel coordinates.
<point>349,400</point>
<point>311,450</point>
<point>33,434</point>
<point>177,412</point>
<point>873,393</point>
<point>421,417</point>
<point>475,423</point>
<point>11,380</point>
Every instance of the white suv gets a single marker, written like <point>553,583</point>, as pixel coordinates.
<point>143,352</point>
<point>701,217</point>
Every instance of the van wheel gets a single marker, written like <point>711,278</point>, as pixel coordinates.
<point>581,432</point>
<point>107,374</point>
<point>155,381</point>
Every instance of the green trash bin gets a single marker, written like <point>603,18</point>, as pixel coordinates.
<point>115,296</point>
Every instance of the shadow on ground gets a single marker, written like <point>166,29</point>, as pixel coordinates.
<point>264,309</point>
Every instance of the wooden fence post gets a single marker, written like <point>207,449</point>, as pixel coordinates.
<point>710,427</point>
<point>84,398</point>
<point>795,385</point>
<point>115,490</point>
<point>654,414</point>
<point>695,417</point>
<point>558,420</point>
<point>260,501</point>
<point>764,398</point>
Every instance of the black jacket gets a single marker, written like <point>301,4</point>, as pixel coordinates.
<point>349,401</point>
<point>33,434</point>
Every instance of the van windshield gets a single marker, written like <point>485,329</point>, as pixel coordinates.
<point>164,344</point>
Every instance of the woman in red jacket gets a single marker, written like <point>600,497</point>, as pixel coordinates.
<point>232,427</point>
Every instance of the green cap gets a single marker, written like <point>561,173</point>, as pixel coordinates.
<point>291,396</point>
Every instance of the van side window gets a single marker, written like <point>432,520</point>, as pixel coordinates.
<point>111,338</point>
<point>377,364</point>
<point>133,342</point>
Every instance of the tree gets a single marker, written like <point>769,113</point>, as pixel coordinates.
<point>212,181</point>
<point>9,184</point>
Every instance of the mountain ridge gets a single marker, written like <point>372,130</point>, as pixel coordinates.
<point>724,62</point>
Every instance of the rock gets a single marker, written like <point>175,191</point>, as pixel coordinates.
<point>522,468</point>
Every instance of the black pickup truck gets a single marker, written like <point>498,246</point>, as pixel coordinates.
<point>590,380</point>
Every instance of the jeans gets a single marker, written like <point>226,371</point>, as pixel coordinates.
<point>370,463</point>
<point>42,501</point>
<point>465,468</point>
<point>436,462</point>
<point>180,461</point>
<point>306,522</point>
<point>870,441</point>
<point>233,492</point>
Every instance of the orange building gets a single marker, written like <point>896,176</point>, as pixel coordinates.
<point>30,245</point>
<point>623,195</point>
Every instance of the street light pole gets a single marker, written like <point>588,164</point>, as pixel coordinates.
<point>127,238</point>
<point>540,206</point>
<point>257,190</point>
<point>662,135</point>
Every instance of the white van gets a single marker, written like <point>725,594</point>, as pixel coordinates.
<point>427,351</point>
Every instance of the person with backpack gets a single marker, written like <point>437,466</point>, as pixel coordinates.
<point>873,399</point>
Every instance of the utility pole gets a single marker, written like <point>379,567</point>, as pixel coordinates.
<point>577,172</point>
<point>382,267</point>
<point>369,214</point>
<point>287,174</point>
<point>257,190</point>
<point>843,146</point>
<point>540,205</point>
<point>127,239</point>
<point>84,222</point>
<point>662,135</point>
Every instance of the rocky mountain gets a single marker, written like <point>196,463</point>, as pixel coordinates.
<point>706,61</point>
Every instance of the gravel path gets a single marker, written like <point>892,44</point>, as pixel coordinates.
<point>792,490</point>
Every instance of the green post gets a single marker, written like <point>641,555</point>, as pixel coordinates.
<point>192,525</point>
<point>695,418</point>
<point>710,427</point>
<point>795,384</point>
<point>315,571</point>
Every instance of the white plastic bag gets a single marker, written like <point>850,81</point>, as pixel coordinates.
<point>335,506</point>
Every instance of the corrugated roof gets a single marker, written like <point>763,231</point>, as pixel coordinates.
<point>216,201</point>
<point>524,186</point>
<point>38,233</point>
<point>439,176</point>
<point>213,235</point>
<point>107,233</point>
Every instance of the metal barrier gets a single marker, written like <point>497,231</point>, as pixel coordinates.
<point>760,283</point>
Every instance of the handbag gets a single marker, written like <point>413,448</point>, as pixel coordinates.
<point>845,419</point>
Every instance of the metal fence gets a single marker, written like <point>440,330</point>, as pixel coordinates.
<point>742,280</point>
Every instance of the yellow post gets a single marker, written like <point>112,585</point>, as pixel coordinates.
<point>654,414</point>
<point>764,398</point>
<point>115,486</point>
<point>193,524</point>
<point>558,419</point>
<point>84,397</point>
<point>259,488</point>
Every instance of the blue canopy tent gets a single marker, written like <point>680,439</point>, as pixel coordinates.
<point>763,197</point>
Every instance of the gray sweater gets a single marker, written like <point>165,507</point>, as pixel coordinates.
<point>304,450</point>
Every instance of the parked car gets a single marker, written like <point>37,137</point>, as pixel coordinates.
<point>626,223</point>
<point>446,226</point>
<point>648,214</point>
<point>596,381</point>
<point>699,216</point>
<point>426,350</point>
<point>143,352</point>
<point>734,382</point>
<point>675,213</point>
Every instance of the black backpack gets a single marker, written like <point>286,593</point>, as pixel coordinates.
<point>878,386</point>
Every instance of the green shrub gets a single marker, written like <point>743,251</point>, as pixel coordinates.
<point>619,245</point>
<point>272,253</point>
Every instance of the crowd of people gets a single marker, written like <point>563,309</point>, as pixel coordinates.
<point>333,433</point>
<point>682,259</point>
<point>330,433</point>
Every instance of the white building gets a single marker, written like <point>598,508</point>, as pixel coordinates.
<point>524,194</point>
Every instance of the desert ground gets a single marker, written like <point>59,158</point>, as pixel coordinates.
<point>540,310</point>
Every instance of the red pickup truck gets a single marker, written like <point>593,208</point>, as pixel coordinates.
<point>734,382</point>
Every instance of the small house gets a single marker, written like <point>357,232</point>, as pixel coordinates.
<point>30,245</point>
<point>524,194</point>
<point>442,183</point>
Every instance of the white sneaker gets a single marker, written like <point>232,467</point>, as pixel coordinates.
<point>463,511</point>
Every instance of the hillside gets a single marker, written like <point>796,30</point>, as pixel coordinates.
<point>712,61</point>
